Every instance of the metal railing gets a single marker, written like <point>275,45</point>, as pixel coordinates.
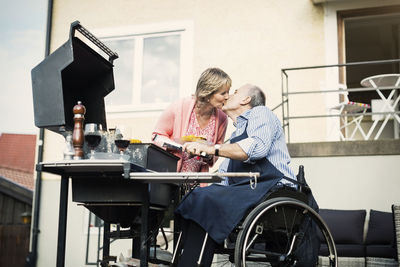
<point>286,93</point>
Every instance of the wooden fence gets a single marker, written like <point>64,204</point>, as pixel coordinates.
<point>14,244</point>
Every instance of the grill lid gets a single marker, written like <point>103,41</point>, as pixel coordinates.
<point>74,72</point>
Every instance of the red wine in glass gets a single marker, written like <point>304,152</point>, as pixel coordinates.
<point>122,144</point>
<point>92,140</point>
<point>92,137</point>
<point>122,138</point>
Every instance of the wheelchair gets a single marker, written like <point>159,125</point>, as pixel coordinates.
<point>282,230</point>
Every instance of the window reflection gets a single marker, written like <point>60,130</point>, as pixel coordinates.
<point>161,67</point>
<point>123,72</point>
<point>148,70</point>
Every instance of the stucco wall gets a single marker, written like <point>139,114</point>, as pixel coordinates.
<point>366,182</point>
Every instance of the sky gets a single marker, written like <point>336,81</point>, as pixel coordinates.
<point>22,47</point>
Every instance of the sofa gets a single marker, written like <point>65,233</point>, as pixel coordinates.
<point>363,240</point>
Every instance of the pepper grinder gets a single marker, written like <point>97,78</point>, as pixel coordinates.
<point>79,111</point>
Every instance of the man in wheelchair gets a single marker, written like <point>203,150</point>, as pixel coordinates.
<point>208,215</point>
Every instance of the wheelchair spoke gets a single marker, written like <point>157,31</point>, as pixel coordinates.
<point>275,233</point>
<point>252,241</point>
<point>289,218</point>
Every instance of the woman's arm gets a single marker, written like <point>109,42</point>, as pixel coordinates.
<point>165,124</point>
<point>220,134</point>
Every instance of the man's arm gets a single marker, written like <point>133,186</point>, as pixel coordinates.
<point>261,131</point>
<point>232,151</point>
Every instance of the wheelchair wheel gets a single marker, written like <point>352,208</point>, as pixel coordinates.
<point>282,232</point>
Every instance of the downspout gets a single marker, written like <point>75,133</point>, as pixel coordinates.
<point>32,256</point>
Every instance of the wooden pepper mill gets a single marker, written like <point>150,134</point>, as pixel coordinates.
<point>79,111</point>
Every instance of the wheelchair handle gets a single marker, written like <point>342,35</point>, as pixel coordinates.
<point>302,180</point>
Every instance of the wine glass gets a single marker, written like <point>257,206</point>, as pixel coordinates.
<point>122,138</point>
<point>92,137</point>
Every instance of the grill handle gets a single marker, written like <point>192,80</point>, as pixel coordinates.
<point>76,25</point>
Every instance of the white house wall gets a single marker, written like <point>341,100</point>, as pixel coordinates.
<point>364,182</point>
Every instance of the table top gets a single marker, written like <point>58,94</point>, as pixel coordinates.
<point>381,80</point>
<point>104,168</point>
<point>89,167</point>
<point>182,177</point>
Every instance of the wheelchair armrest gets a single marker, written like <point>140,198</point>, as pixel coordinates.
<point>287,191</point>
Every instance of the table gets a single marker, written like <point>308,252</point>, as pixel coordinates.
<point>357,111</point>
<point>103,169</point>
<point>390,103</point>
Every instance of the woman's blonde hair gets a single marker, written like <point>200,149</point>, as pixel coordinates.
<point>210,81</point>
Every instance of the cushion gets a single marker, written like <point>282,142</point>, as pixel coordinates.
<point>380,228</point>
<point>344,250</point>
<point>380,238</point>
<point>346,226</point>
<point>381,251</point>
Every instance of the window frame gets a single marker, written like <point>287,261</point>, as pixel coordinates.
<point>139,33</point>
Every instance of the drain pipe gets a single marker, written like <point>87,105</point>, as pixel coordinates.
<point>32,256</point>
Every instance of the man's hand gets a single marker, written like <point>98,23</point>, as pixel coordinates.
<point>232,151</point>
<point>196,148</point>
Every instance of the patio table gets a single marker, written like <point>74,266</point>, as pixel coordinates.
<point>389,103</point>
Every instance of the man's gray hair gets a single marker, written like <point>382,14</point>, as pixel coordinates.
<point>257,96</point>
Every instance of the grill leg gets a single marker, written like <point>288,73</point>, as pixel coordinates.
<point>144,231</point>
<point>176,249</point>
<point>202,250</point>
<point>106,242</point>
<point>62,221</point>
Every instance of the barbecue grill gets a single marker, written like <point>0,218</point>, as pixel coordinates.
<point>76,72</point>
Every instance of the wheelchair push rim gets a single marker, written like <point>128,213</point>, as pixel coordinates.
<point>283,251</point>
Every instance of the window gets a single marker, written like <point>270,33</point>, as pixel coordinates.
<point>153,68</point>
<point>369,34</point>
<point>372,34</point>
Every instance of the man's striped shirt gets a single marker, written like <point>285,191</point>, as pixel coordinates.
<point>265,139</point>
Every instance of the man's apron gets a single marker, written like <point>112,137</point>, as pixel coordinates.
<point>217,208</point>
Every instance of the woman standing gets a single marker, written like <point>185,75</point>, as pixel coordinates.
<point>198,115</point>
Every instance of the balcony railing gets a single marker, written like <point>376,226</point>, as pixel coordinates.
<point>354,121</point>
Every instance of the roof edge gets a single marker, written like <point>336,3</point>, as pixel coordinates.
<point>15,190</point>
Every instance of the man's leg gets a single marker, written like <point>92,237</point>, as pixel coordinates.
<point>193,238</point>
